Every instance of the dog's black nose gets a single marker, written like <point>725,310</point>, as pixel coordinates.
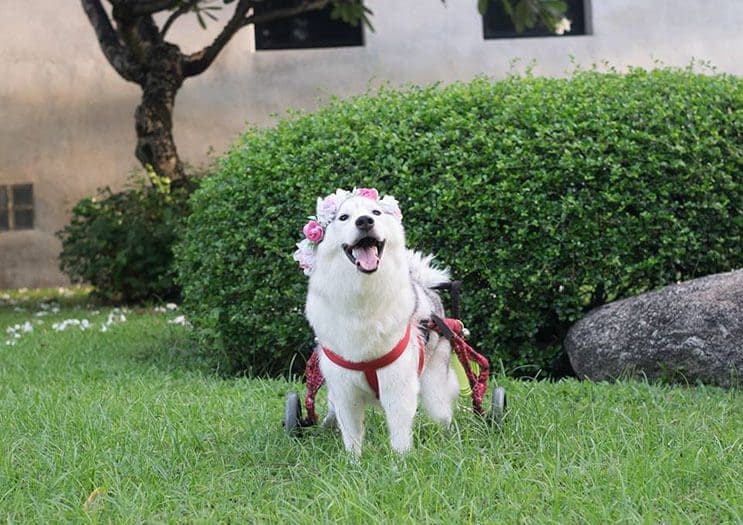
<point>365,223</point>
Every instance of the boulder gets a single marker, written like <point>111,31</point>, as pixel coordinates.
<point>692,331</point>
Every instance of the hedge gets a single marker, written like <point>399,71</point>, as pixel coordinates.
<point>547,197</point>
<point>122,242</point>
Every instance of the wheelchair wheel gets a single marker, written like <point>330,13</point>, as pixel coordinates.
<point>292,414</point>
<point>498,406</point>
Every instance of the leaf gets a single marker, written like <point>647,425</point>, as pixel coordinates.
<point>92,502</point>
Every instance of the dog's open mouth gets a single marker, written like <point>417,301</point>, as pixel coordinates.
<point>365,254</point>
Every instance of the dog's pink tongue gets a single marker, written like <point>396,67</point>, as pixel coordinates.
<point>367,258</point>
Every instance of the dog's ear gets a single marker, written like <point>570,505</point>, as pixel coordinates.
<point>390,206</point>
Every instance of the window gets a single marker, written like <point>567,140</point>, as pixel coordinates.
<point>496,23</point>
<point>309,30</point>
<point>16,207</point>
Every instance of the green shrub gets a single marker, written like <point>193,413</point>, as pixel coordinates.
<point>122,243</point>
<point>547,197</point>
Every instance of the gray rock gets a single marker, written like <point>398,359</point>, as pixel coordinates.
<point>691,332</point>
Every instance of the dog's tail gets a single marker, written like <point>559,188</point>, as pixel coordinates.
<point>423,270</point>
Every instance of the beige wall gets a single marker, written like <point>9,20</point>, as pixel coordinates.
<point>67,118</point>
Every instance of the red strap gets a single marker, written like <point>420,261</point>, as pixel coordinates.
<point>465,353</point>
<point>370,367</point>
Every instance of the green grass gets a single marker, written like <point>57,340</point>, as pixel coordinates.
<point>135,414</point>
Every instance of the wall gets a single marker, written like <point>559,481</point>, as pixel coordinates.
<point>67,118</point>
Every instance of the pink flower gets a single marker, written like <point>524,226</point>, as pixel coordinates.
<point>313,231</point>
<point>369,193</point>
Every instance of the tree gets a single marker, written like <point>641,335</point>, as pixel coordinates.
<point>136,47</point>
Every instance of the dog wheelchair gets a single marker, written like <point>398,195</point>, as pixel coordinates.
<point>475,366</point>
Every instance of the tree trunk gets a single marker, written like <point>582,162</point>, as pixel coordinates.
<point>154,116</point>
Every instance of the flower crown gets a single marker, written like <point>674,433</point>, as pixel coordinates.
<point>326,210</point>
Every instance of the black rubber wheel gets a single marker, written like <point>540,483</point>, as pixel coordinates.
<point>499,405</point>
<point>292,414</point>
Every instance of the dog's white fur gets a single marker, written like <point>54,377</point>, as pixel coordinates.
<point>362,316</point>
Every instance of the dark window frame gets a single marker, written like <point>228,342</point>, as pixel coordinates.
<point>497,24</point>
<point>322,32</point>
<point>11,212</point>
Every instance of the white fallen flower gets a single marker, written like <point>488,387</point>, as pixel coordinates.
<point>115,316</point>
<point>65,292</point>
<point>180,320</point>
<point>61,326</point>
<point>170,307</point>
<point>16,331</point>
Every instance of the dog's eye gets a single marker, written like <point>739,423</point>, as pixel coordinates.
<point>377,212</point>
<point>343,217</point>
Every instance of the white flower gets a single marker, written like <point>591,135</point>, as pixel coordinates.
<point>305,256</point>
<point>28,327</point>
<point>390,205</point>
<point>171,306</point>
<point>180,320</point>
<point>63,325</point>
<point>115,316</point>
<point>563,26</point>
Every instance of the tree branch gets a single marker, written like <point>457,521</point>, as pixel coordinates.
<point>145,7</point>
<point>197,63</point>
<point>112,48</point>
<point>276,14</point>
<point>185,8</point>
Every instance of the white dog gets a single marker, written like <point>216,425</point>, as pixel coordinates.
<point>368,297</point>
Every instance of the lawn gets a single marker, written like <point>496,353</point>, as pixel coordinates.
<point>113,417</point>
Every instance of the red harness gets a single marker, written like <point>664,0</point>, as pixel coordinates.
<point>370,367</point>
